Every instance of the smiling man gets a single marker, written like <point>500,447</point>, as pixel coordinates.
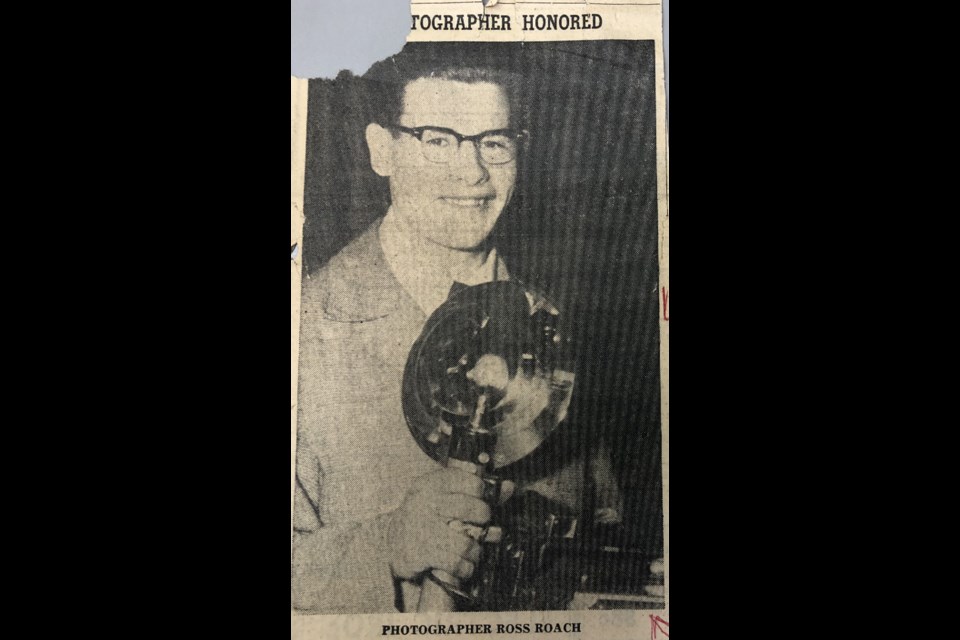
<point>371,509</point>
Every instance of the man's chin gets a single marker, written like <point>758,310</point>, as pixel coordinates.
<point>463,237</point>
<point>461,244</point>
<point>453,230</point>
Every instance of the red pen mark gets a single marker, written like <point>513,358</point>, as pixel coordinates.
<point>666,296</point>
<point>655,622</point>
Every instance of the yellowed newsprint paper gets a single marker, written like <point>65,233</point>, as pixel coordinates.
<point>479,321</point>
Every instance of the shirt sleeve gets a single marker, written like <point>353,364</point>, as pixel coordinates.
<point>342,568</point>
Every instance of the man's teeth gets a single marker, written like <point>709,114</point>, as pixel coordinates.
<point>467,202</point>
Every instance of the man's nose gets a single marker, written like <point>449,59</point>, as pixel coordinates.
<point>467,165</point>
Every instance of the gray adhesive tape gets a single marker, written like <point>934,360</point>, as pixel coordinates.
<point>328,36</point>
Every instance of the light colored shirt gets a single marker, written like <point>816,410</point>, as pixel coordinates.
<point>356,458</point>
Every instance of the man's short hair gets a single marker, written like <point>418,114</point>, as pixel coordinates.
<point>387,80</point>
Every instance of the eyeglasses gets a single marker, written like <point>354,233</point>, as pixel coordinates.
<point>441,145</point>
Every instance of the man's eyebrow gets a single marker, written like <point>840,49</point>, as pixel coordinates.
<point>449,130</point>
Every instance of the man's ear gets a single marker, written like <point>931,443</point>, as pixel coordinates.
<point>380,143</point>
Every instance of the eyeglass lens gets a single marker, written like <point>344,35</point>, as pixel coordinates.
<point>442,146</point>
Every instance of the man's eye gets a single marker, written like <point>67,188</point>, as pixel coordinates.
<point>496,143</point>
<point>436,141</point>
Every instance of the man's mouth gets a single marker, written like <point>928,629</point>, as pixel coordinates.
<point>468,203</point>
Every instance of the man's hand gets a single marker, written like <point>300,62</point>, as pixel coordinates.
<point>419,535</point>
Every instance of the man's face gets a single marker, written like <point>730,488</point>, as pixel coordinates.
<point>455,204</point>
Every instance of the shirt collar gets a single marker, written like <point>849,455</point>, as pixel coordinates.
<point>428,287</point>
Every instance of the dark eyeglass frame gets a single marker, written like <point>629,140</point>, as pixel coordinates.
<point>417,132</point>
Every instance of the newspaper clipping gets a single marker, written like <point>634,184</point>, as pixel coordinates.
<point>479,292</point>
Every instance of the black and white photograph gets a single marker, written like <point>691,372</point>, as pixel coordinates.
<point>478,392</point>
